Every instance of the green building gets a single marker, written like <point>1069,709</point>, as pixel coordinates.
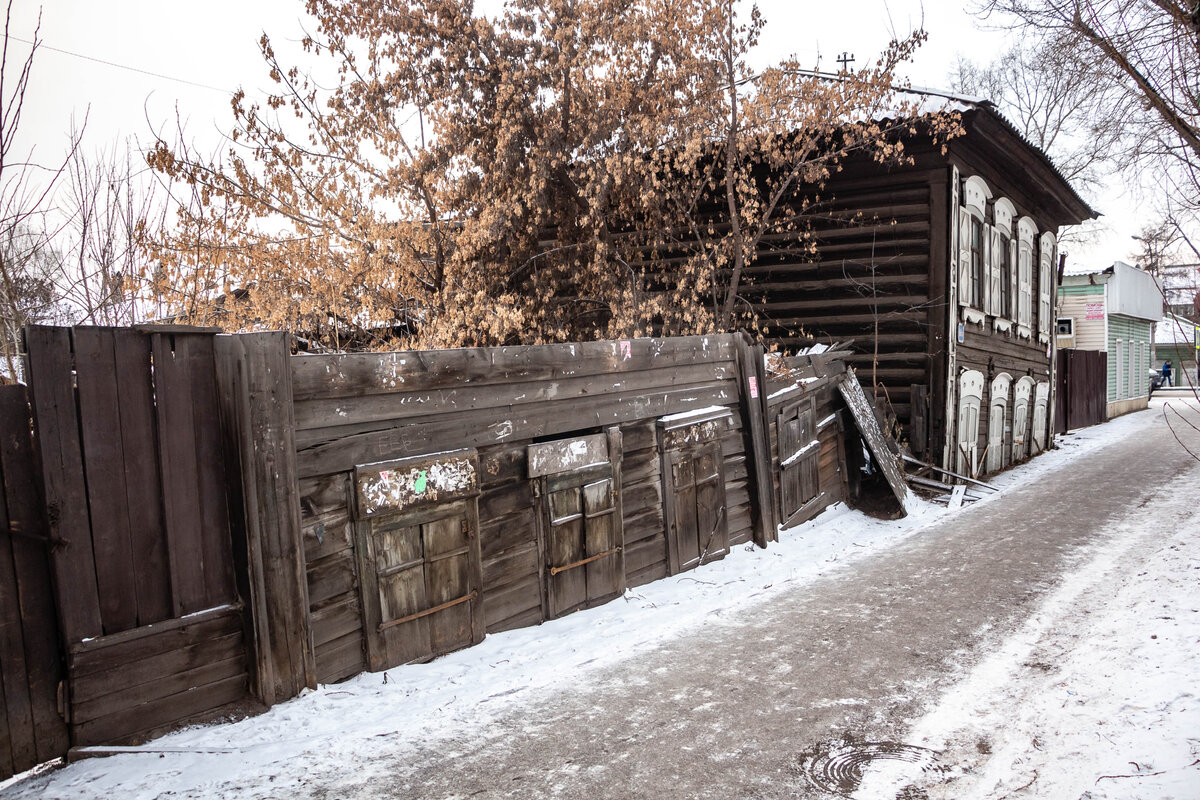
<point>1114,311</point>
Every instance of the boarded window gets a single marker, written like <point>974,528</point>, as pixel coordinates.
<point>799,457</point>
<point>582,542</point>
<point>1022,390</point>
<point>418,550</point>
<point>694,488</point>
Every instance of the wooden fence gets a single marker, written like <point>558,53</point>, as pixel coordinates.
<point>133,465</point>
<point>233,523</point>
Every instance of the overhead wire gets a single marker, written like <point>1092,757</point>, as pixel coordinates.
<point>119,66</point>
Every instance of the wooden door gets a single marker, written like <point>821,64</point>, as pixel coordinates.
<point>582,542</point>
<point>426,589</point>
<point>697,522</point>
<point>799,456</point>
<point>419,557</point>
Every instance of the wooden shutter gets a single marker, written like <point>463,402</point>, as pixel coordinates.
<point>1045,281</point>
<point>1013,280</point>
<point>582,545</point>
<point>995,255</point>
<point>964,257</point>
<point>799,459</point>
<point>584,565</point>
<point>1024,284</point>
<point>419,560</point>
<point>995,447</point>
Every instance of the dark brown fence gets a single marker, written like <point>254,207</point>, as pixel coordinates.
<point>1081,398</point>
<point>133,465</point>
<point>31,672</point>
<point>229,521</point>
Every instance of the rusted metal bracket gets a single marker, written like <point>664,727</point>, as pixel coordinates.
<point>588,560</point>
<point>450,604</point>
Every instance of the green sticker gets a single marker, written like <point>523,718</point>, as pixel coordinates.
<point>419,486</point>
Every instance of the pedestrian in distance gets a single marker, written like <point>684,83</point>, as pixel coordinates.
<point>1166,371</point>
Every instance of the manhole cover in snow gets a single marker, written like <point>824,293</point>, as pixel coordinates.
<point>853,768</point>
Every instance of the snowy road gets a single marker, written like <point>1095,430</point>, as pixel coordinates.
<point>1002,638</point>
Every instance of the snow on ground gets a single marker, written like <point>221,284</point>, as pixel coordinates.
<point>346,726</point>
<point>1096,695</point>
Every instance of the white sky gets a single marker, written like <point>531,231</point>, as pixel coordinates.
<point>215,43</point>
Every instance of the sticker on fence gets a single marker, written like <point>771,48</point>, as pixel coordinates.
<point>393,486</point>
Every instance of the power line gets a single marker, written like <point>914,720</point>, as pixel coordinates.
<point>120,66</point>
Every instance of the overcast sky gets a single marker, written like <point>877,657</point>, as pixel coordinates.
<point>188,57</point>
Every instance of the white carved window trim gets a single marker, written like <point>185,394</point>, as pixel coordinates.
<point>1047,278</point>
<point>1026,236</point>
<point>972,216</point>
<point>1004,255</point>
<point>970,398</point>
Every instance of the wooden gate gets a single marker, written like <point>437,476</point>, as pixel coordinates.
<point>582,544</point>
<point>133,462</point>
<point>1081,396</point>
<point>418,550</point>
<point>31,665</point>
<point>694,487</point>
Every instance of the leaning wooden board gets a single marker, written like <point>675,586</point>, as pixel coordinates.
<point>874,436</point>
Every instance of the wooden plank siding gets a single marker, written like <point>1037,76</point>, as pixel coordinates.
<point>358,409</point>
<point>868,282</point>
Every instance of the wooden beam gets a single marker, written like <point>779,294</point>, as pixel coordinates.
<point>753,396</point>
<point>254,379</point>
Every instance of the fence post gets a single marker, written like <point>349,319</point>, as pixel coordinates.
<point>752,386</point>
<point>255,383</point>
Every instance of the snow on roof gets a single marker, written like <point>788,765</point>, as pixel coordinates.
<point>1175,330</point>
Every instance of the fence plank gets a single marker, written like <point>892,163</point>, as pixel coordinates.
<point>490,426</point>
<point>57,423</point>
<point>143,482</point>
<point>24,501</point>
<point>214,512</point>
<point>19,749</point>
<point>180,477</point>
<point>754,415</point>
<point>255,390</point>
<point>104,461</point>
<point>357,374</point>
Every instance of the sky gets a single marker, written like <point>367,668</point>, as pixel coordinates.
<point>182,61</point>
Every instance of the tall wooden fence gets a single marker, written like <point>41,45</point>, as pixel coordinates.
<point>200,520</point>
<point>133,465</point>
<point>1081,398</point>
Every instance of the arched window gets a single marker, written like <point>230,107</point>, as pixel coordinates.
<point>1004,260</point>
<point>1041,406</point>
<point>970,396</point>
<point>1022,391</point>
<point>973,246</point>
<point>997,413</point>
<point>1026,236</point>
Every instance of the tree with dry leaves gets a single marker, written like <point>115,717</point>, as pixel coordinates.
<point>565,169</point>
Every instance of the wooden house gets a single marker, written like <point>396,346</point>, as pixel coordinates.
<point>942,271</point>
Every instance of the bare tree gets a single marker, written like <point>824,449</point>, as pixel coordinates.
<point>1145,57</point>
<point>27,227</point>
